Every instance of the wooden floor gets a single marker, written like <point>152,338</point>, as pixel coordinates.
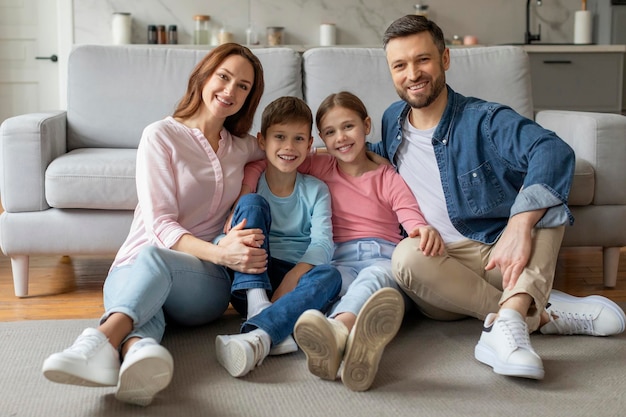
<point>68,288</point>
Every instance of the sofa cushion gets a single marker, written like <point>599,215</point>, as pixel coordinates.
<point>93,178</point>
<point>114,92</point>
<point>479,72</point>
<point>583,184</point>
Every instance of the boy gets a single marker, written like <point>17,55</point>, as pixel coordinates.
<point>298,209</point>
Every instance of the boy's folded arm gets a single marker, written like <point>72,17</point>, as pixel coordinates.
<point>291,279</point>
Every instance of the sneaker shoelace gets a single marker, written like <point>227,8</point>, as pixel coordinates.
<point>85,345</point>
<point>572,323</point>
<point>516,333</point>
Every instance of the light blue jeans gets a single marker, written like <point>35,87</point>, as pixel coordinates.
<point>164,282</point>
<point>365,267</point>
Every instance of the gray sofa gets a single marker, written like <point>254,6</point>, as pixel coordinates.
<point>67,177</point>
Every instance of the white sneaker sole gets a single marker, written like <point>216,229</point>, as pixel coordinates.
<point>376,325</point>
<point>149,372</point>
<point>556,295</point>
<point>234,355</point>
<point>316,338</point>
<point>64,371</point>
<point>488,356</point>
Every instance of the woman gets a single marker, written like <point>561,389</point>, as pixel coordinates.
<point>189,173</point>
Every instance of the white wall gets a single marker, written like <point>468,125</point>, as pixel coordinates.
<point>359,22</point>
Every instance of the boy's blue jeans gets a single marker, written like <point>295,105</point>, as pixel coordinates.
<point>317,289</point>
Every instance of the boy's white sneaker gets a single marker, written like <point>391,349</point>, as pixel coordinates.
<point>90,361</point>
<point>323,341</point>
<point>288,345</point>
<point>505,346</point>
<point>147,369</point>
<point>241,353</point>
<point>593,315</point>
<point>376,325</point>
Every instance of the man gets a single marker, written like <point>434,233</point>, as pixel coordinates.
<point>495,184</point>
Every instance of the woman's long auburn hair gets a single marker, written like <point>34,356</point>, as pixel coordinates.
<point>241,122</point>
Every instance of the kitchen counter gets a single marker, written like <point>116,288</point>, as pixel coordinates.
<point>571,48</point>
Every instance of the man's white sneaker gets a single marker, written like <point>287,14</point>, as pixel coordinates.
<point>593,315</point>
<point>323,341</point>
<point>376,325</point>
<point>147,369</point>
<point>241,353</point>
<point>286,346</point>
<point>91,361</point>
<point>505,346</point>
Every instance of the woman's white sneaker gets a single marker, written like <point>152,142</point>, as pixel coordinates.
<point>147,369</point>
<point>505,346</point>
<point>91,361</point>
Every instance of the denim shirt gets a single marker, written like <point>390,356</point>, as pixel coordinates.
<point>494,163</point>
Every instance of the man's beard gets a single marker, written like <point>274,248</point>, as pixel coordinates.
<point>423,101</point>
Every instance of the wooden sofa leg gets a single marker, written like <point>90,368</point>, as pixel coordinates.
<point>610,261</point>
<point>19,266</point>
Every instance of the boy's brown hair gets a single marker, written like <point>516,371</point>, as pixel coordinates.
<point>286,109</point>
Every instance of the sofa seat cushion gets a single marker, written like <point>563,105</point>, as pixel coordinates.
<point>583,184</point>
<point>93,178</point>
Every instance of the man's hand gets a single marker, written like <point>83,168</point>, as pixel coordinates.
<point>512,250</point>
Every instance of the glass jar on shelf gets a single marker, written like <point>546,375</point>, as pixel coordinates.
<point>152,34</point>
<point>202,29</point>
<point>161,35</point>
<point>421,9</point>
<point>275,35</point>
<point>172,34</point>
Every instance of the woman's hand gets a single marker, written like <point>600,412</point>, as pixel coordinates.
<point>241,250</point>
<point>431,243</point>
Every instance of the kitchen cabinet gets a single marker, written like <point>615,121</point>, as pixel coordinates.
<point>574,80</point>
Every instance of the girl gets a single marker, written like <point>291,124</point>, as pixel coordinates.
<point>369,203</point>
<point>189,172</point>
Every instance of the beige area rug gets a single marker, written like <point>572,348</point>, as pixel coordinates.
<point>428,370</point>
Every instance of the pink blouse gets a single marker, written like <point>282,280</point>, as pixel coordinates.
<point>184,186</point>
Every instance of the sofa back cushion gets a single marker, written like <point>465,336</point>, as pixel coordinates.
<point>114,92</point>
<point>499,73</point>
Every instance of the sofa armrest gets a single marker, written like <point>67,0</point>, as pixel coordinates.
<point>28,143</point>
<point>600,139</point>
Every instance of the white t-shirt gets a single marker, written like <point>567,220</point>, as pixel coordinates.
<point>418,166</point>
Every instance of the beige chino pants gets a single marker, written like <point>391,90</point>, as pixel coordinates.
<point>456,285</point>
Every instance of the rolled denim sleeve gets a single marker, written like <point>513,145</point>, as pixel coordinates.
<point>539,196</point>
<point>546,161</point>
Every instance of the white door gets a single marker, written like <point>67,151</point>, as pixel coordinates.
<point>28,29</point>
